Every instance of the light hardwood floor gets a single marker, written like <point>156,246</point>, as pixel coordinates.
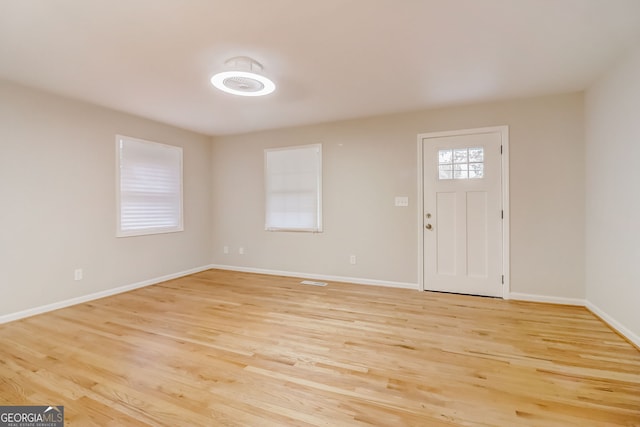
<point>229,348</point>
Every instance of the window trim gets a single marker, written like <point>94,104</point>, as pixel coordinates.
<point>319,220</point>
<point>149,230</point>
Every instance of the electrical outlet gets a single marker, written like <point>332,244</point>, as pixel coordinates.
<point>77,274</point>
<point>352,259</point>
<point>225,249</point>
<point>241,251</point>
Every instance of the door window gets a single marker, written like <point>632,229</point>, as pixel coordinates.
<point>461,163</point>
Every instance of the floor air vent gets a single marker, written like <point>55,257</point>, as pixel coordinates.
<point>312,283</point>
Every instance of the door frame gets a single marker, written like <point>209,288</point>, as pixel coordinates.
<point>504,163</point>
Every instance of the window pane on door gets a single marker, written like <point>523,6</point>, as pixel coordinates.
<point>461,163</point>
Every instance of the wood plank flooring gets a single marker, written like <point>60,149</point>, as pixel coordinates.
<point>223,348</point>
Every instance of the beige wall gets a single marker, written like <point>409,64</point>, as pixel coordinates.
<point>58,203</point>
<point>57,198</point>
<point>367,162</point>
<point>613,196</point>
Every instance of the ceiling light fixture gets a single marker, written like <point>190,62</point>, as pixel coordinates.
<point>243,78</point>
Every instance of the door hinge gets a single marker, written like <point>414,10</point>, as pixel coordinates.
<point>501,149</point>
<point>503,279</point>
<point>502,214</point>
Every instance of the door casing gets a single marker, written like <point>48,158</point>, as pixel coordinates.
<point>504,163</point>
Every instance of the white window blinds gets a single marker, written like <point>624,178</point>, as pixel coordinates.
<point>149,187</point>
<point>293,177</point>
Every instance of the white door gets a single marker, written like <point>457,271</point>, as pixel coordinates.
<point>462,218</point>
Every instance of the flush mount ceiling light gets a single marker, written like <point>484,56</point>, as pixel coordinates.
<point>242,78</point>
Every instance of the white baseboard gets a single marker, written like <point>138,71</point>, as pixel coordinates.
<point>324,277</point>
<point>97,295</point>
<point>621,329</point>
<point>624,331</point>
<point>544,298</point>
<point>613,323</point>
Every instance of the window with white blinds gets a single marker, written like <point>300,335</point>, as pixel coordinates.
<point>149,187</point>
<point>293,177</point>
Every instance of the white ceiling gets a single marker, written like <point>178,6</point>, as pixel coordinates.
<point>331,59</point>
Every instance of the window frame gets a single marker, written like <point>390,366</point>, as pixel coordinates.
<point>465,166</point>
<point>151,230</point>
<point>318,226</point>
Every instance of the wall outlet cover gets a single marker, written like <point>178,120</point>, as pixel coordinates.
<point>402,201</point>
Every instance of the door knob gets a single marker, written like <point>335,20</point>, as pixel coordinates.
<point>428,226</point>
